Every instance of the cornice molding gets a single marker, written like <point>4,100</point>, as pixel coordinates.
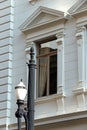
<point>41,17</point>
<point>79,7</point>
<point>61,118</point>
<point>64,118</point>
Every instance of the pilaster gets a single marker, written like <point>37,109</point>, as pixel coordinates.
<point>6,57</point>
<point>60,64</point>
<point>80,91</point>
<point>81,62</point>
<point>60,73</point>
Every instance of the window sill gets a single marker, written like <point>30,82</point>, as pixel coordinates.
<point>80,91</point>
<point>50,98</point>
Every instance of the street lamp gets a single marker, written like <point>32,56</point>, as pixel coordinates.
<point>21,92</point>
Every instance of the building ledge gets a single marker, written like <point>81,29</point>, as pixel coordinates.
<point>61,118</point>
<point>65,118</point>
<point>79,91</point>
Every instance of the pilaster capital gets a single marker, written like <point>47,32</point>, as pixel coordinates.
<point>60,35</point>
<point>79,35</point>
<point>59,41</point>
<point>60,38</point>
<point>32,1</point>
<point>80,32</point>
<point>81,28</point>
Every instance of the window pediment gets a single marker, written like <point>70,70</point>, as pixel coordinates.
<point>40,17</point>
<point>80,6</point>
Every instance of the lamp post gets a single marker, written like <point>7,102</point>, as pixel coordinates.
<point>21,92</point>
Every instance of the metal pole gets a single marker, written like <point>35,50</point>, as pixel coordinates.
<point>19,123</point>
<point>31,86</point>
<point>19,113</point>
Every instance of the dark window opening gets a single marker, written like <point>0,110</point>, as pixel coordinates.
<point>47,68</point>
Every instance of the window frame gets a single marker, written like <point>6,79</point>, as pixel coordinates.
<point>40,56</point>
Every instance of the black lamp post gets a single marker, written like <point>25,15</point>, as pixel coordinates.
<point>21,92</point>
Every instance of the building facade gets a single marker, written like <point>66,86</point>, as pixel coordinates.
<point>58,31</point>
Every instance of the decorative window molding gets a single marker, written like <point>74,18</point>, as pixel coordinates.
<point>81,61</point>
<point>43,24</point>
<point>80,91</point>
<point>58,98</point>
<point>42,17</point>
<point>60,73</point>
<point>79,11</point>
<point>78,8</point>
<point>60,70</point>
<point>81,22</point>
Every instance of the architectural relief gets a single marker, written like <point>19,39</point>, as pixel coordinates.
<point>78,7</point>
<point>60,45</point>
<point>49,23</point>
<point>32,1</point>
<point>42,17</point>
<point>81,89</point>
<point>81,22</point>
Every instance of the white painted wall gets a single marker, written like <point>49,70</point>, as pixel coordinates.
<point>22,11</point>
<point>13,59</point>
<point>6,51</point>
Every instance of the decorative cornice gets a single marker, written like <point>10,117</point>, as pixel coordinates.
<point>46,16</point>
<point>67,15</point>
<point>77,8</point>
<point>62,118</point>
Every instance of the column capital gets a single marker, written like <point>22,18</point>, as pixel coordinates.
<point>59,41</point>
<point>79,35</point>
<point>80,28</point>
<point>60,35</point>
<point>60,38</point>
<point>80,32</point>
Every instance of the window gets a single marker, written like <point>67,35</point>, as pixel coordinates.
<point>47,68</point>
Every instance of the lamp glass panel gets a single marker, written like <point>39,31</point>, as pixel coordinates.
<point>21,93</point>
